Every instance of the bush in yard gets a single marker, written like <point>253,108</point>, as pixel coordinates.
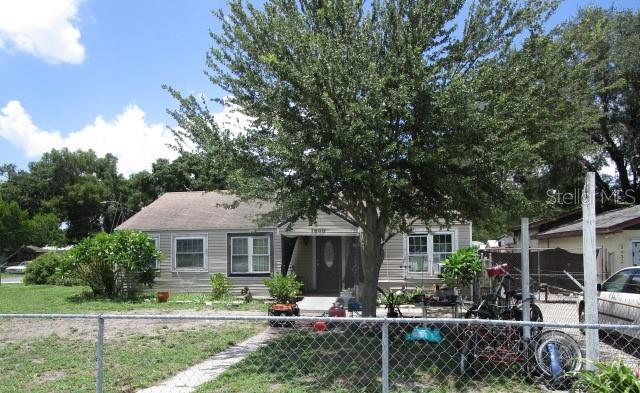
<point>220,286</point>
<point>43,269</point>
<point>461,267</point>
<point>111,263</point>
<point>283,289</point>
<point>612,377</point>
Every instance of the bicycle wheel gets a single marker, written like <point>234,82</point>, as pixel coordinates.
<point>567,350</point>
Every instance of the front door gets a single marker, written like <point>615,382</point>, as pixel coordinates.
<point>328,264</point>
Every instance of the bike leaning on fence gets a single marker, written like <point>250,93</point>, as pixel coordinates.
<point>551,355</point>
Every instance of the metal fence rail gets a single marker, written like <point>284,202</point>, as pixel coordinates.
<point>343,354</point>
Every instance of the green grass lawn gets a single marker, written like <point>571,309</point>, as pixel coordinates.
<point>306,361</point>
<point>18,298</point>
<point>55,364</point>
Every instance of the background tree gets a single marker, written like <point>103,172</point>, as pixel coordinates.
<point>71,185</point>
<point>364,108</point>
<point>17,229</point>
<point>602,48</point>
<point>12,227</point>
<point>188,172</point>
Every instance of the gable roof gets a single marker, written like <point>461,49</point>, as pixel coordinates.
<point>196,210</point>
<point>608,222</point>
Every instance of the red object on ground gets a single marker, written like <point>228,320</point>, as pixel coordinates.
<point>319,326</point>
<point>498,270</point>
<point>337,312</point>
<point>290,308</point>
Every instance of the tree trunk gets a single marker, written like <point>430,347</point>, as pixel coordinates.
<point>372,239</point>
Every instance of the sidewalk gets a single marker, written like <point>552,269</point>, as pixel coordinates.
<point>188,380</point>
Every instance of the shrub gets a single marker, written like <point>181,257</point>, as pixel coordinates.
<point>220,286</point>
<point>111,263</point>
<point>609,377</point>
<point>43,269</point>
<point>283,289</point>
<point>461,267</point>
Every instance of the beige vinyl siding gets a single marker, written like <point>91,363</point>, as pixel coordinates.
<point>617,246</point>
<point>180,281</point>
<point>331,220</point>
<point>392,274</point>
<point>302,262</point>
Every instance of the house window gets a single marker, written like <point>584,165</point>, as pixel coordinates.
<point>250,254</point>
<point>418,252</point>
<point>190,253</point>
<point>442,247</point>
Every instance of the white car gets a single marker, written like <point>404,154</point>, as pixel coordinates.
<point>17,269</point>
<point>618,300</point>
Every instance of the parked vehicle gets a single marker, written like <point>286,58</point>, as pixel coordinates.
<point>618,299</point>
<point>17,269</point>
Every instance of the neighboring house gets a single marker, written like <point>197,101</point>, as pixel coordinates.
<point>617,236</point>
<point>542,225</point>
<point>199,236</point>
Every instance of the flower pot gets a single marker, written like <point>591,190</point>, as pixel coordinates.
<point>162,297</point>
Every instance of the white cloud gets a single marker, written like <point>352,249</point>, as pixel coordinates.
<point>136,143</point>
<point>42,28</point>
<point>232,119</point>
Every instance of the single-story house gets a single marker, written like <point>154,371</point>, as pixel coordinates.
<point>199,235</point>
<point>617,236</point>
<point>544,224</point>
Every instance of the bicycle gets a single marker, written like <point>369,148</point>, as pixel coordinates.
<point>550,354</point>
<point>503,303</point>
<point>552,357</point>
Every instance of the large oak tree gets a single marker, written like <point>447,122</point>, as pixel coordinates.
<point>368,109</point>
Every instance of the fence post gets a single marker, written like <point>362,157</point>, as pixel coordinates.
<point>590,269</point>
<point>524,271</point>
<point>385,357</point>
<point>100,355</point>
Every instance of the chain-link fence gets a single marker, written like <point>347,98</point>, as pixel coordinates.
<point>213,353</point>
<point>555,276</point>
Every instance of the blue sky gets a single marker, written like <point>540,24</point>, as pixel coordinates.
<point>88,73</point>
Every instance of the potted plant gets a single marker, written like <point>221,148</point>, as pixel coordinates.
<point>162,296</point>
<point>460,268</point>
<point>285,291</point>
<point>392,302</point>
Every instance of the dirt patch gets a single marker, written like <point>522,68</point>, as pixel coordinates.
<point>12,330</point>
<point>50,376</point>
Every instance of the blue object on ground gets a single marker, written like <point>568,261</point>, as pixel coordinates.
<point>420,333</point>
<point>556,367</point>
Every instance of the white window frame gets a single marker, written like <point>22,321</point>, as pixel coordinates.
<point>431,271</point>
<point>205,256</point>
<point>427,254</point>
<point>250,254</point>
<point>433,252</point>
<point>156,241</point>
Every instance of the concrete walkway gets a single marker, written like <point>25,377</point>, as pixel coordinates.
<point>188,380</point>
<point>316,303</point>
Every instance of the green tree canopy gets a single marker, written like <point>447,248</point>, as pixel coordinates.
<point>602,48</point>
<point>365,108</point>
<point>74,186</point>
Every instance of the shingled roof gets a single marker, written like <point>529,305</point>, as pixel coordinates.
<point>196,210</point>
<point>607,222</point>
